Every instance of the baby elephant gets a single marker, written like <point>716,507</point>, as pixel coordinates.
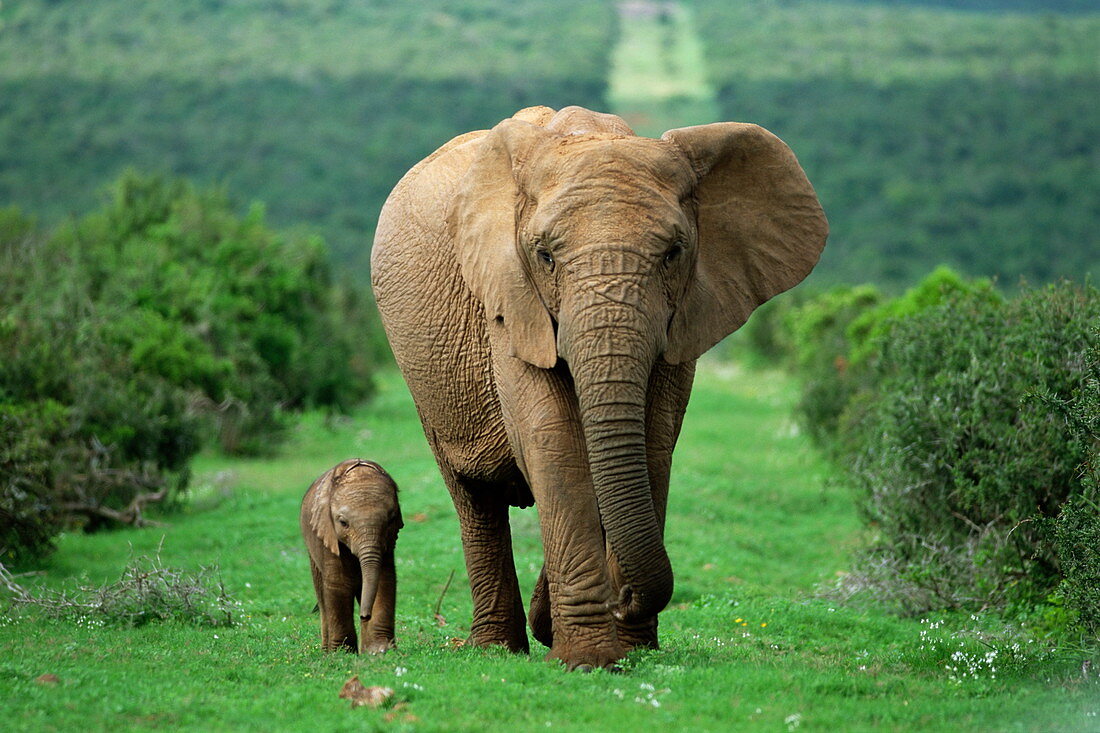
<point>350,520</point>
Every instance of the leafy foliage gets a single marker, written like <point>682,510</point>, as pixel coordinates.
<point>829,341</point>
<point>961,476</point>
<point>127,331</point>
<point>1077,528</point>
<point>822,355</point>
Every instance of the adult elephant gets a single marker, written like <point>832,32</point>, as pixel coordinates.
<point>546,287</point>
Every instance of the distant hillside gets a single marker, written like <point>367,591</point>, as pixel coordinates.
<point>1016,6</point>
<point>932,135</point>
<point>954,131</point>
<point>315,107</point>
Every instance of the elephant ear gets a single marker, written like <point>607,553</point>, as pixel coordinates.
<point>482,222</point>
<point>320,514</point>
<point>761,230</point>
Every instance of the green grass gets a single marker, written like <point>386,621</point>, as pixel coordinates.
<point>755,524</point>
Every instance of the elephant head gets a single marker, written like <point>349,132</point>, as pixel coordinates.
<point>607,251</point>
<point>355,505</point>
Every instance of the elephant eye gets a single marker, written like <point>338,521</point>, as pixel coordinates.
<point>674,252</point>
<point>545,257</point>
<point>343,522</point>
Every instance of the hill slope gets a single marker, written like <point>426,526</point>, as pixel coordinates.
<point>932,135</point>
<point>315,108</point>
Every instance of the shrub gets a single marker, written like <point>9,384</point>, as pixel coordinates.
<point>821,355</point>
<point>85,436</point>
<point>961,477</point>
<point>835,337</point>
<point>1077,528</point>
<point>248,321</point>
<point>136,331</point>
<point>765,341</point>
<point>147,591</point>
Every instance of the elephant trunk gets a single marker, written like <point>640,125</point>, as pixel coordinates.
<point>611,358</point>
<point>370,567</point>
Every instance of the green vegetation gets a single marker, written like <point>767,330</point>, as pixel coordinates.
<point>966,422</point>
<point>932,135</point>
<point>316,108</point>
<point>658,78</point>
<point>751,532</point>
<point>1077,528</point>
<point>961,474</point>
<point>131,334</point>
<point>963,421</point>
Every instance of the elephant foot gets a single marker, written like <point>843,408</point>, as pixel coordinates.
<point>347,645</point>
<point>539,615</point>
<point>506,635</point>
<point>588,658</point>
<point>378,646</point>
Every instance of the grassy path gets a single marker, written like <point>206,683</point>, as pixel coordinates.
<point>752,530</point>
<point>658,73</point>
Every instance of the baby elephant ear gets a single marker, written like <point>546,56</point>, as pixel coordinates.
<point>483,225</point>
<point>320,514</point>
<point>761,230</point>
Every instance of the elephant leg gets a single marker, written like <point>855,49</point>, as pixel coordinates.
<point>339,611</point>
<point>487,544</point>
<point>544,428</point>
<point>669,390</point>
<point>319,590</point>
<point>338,608</point>
<point>539,616</point>
<point>380,628</point>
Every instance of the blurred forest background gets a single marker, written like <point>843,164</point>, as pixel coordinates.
<point>192,187</point>
<point>954,132</point>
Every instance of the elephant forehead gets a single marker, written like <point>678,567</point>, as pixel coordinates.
<point>628,163</point>
<point>599,187</point>
<point>359,490</point>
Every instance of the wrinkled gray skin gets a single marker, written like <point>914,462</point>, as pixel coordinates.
<point>350,519</point>
<point>546,287</point>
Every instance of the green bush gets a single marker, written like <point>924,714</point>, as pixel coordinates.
<point>249,322</point>
<point>134,333</point>
<point>1077,528</point>
<point>765,341</point>
<point>84,433</point>
<point>834,338</point>
<point>961,477</point>
<point>821,355</point>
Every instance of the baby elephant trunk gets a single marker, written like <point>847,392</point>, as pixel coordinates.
<point>370,569</point>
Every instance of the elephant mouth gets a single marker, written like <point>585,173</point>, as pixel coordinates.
<point>365,617</point>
